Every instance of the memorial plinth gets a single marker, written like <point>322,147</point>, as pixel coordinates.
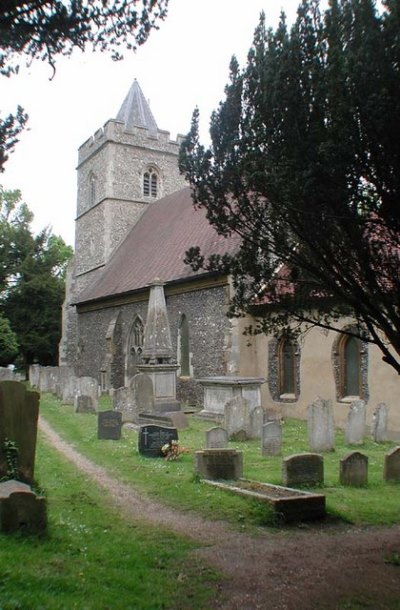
<point>220,390</point>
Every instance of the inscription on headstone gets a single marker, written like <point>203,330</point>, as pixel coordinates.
<point>152,438</point>
<point>216,438</point>
<point>109,424</point>
<point>354,469</point>
<point>303,469</point>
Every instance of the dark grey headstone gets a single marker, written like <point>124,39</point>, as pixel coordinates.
<point>219,464</point>
<point>84,404</point>
<point>21,510</point>
<point>391,472</point>
<point>152,438</point>
<point>303,469</point>
<point>19,411</point>
<point>354,469</point>
<point>109,424</point>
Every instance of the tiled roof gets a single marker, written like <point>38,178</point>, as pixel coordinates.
<point>156,246</point>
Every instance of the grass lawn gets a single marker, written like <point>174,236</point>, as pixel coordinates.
<point>174,483</point>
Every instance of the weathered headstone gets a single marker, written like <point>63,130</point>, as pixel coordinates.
<point>303,469</point>
<point>391,470</point>
<point>21,509</point>
<point>379,426</point>
<point>124,403</point>
<point>320,425</point>
<point>355,427</point>
<point>34,375</point>
<point>152,438</point>
<point>109,425</point>
<point>19,411</point>
<point>354,469</point>
<point>237,418</point>
<point>144,392</point>
<point>271,439</point>
<point>272,414</point>
<point>219,464</point>
<point>178,419</point>
<point>256,422</point>
<point>70,390</point>
<point>216,438</point>
<point>84,404</point>
<point>89,386</point>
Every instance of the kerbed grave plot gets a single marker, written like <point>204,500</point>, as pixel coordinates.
<point>289,505</point>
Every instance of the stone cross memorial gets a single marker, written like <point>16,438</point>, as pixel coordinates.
<point>109,425</point>
<point>152,438</point>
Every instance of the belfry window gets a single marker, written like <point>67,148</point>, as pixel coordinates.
<point>150,183</point>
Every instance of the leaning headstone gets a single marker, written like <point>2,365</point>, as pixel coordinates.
<point>21,510</point>
<point>19,411</point>
<point>219,464</point>
<point>303,469</point>
<point>320,425</point>
<point>84,404</point>
<point>142,386</point>
<point>216,438</point>
<point>391,470</point>
<point>123,402</point>
<point>379,426</point>
<point>237,418</point>
<point>355,427</point>
<point>152,438</point>
<point>354,469</point>
<point>271,439</point>
<point>256,422</point>
<point>109,425</point>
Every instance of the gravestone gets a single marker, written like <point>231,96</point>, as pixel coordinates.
<point>354,469</point>
<point>216,438</point>
<point>303,469</point>
<point>256,422</point>
<point>217,464</point>
<point>391,470</point>
<point>144,393</point>
<point>19,411</point>
<point>271,414</point>
<point>123,402</point>
<point>152,438</point>
<point>237,418</point>
<point>380,423</point>
<point>34,375</point>
<point>21,510</point>
<point>178,419</point>
<point>109,425</point>
<point>84,404</point>
<point>320,425</point>
<point>89,386</point>
<point>271,439</point>
<point>70,390</point>
<point>355,427</point>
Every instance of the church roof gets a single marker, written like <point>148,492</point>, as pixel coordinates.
<point>156,246</point>
<point>135,110</point>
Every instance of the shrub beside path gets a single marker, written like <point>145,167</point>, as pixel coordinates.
<point>306,568</point>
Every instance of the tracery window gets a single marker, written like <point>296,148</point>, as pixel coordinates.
<point>135,346</point>
<point>151,183</point>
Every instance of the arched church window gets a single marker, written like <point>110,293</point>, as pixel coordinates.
<point>151,183</point>
<point>184,346</point>
<point>135,346</point>
<point>350,366</point>
<point>287,366</point>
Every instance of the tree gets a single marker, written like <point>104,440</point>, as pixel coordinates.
<point>32,287</point>
<point>304,165</point>
<point>8,342</point>
<point>43,29</point>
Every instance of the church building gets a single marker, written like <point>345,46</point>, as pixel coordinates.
<point>135,220</point>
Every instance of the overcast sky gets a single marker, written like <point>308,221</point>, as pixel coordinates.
<point>182,65</point>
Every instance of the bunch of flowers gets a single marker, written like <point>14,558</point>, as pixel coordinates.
<point>171,450</point>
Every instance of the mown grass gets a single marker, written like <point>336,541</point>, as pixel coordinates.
<point>174,483</point>
<point>91,559</point>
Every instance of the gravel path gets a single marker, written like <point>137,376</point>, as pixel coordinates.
<point>315,567</point>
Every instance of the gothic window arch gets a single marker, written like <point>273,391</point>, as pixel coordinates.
<point>350,361</point>
<point>284,369</point>
<point>184,347</point>
<point>135,346</point>
<point>151,183</point>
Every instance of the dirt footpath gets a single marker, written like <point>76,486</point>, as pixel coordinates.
<point>315,567</point>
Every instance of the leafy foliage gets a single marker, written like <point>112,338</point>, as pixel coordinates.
<point>8,342</point>
<point>304,165</point>
<point>32,271</point>
<point>43,29</point>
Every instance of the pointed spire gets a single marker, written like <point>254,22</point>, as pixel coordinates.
<point>135,111</point>
<point>157,345</point>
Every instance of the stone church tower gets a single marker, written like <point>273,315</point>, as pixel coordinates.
<point>124,167</point>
